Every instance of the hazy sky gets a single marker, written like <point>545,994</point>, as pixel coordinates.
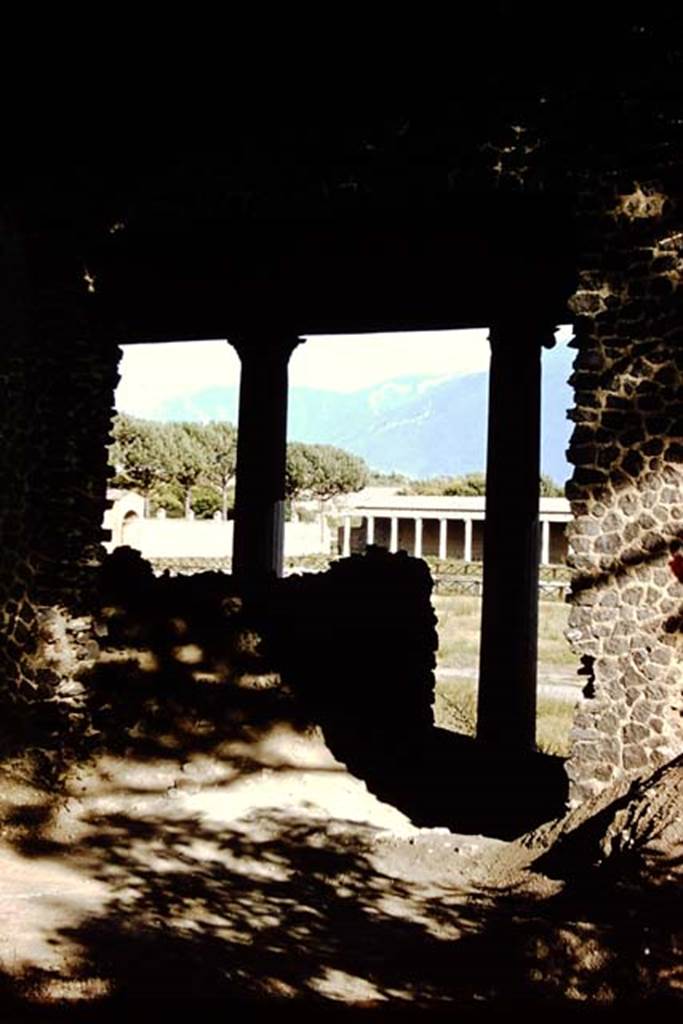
<point>151,374</point>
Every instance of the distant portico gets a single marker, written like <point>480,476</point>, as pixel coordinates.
<point>441,527</point>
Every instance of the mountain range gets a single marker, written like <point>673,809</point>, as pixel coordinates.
<point>421,426</point>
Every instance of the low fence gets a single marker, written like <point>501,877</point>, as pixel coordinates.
<point>452,577</point>
<point>449,583</point>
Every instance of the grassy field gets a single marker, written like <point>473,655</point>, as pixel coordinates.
<point>459,621</point>
<point>456,700</point>
<point>455,707</point>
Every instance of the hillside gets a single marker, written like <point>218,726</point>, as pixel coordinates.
<point>418,425</point>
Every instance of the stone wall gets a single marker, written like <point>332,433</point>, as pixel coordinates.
<point>627,487</point>
<point>58,384</point>
<point>17,612</point>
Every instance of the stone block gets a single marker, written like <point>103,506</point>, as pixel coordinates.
<point>609,543</point>
<point>634,757</point>
<point>634,733</point>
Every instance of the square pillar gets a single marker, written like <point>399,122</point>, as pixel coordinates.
<point>443,539</point>
<point>545,542</point>
<point>393,537</point>
<point>467,549</point>
<point>418,538</point>
<point>346,543</point>
<point>370,530</point>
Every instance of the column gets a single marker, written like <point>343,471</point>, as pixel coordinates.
<point>370,531</point>
<point>418,537</point>
<point>545,542</point>
<point>393,538</point>
<point>467,551</point>
<point>258,545</point>
<point>506,714</point>
<point>346,545</point>
<point>443,539</point>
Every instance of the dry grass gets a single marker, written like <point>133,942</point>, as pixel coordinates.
<point>459,622</point>
<point>455,705</point>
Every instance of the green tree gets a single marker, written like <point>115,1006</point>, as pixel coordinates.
<point>340,472</point>
<point>139,454</point>
<point>169,497</point>
<point>206,501</point>
<point>549,489</point>
<point>377,478</point>
<point>322,471</point>
<point>187,458</point>
<point>300,471</point>
<point>470,484</point>
<point>220,444</point>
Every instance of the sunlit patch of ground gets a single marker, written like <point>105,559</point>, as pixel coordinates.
<point>38,898</point>
<point>270,872</point>
<point>187,850</point>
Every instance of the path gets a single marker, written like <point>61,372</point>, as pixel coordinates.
<point>552,682</point>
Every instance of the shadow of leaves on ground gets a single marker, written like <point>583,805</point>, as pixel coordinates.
<point>283,911</point>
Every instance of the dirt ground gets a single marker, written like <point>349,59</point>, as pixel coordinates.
<point>271,875</point>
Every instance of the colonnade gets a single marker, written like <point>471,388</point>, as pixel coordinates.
<point>418,533</point>
<point>417,549</point>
